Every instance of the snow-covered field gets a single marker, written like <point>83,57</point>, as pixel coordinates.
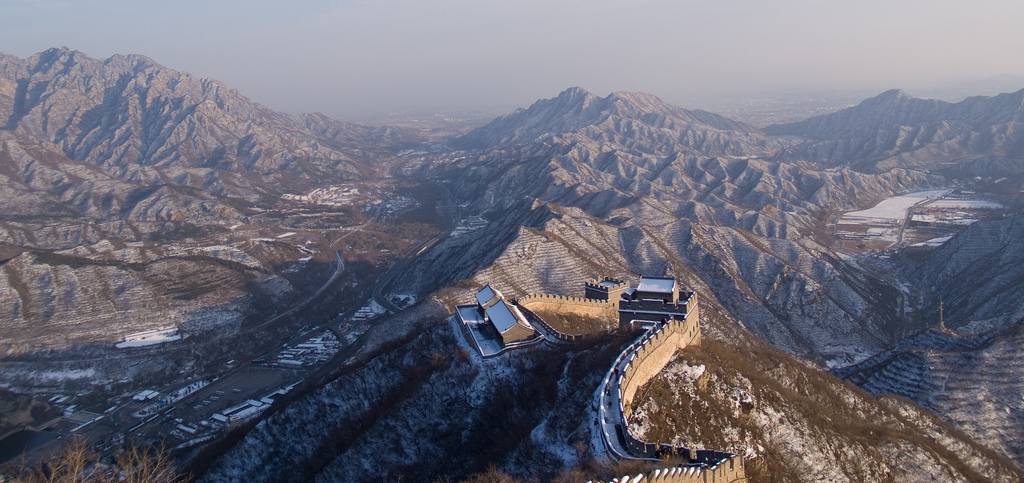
<point>369,311</point>
<point>891,210</point>
<point>946,217</point>
<point>965,204</point>
<point>469,225</point>
<point>150,337</point>
<point>934,242</point>
<point>933,214</point>
<point>328,196</point>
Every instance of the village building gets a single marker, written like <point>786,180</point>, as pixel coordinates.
<point>505,320</point>
<point>487,297</point>
<point>509,322</point>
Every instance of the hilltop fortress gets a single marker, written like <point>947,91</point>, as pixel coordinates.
<point>670,320</point>
<point>653,299</point>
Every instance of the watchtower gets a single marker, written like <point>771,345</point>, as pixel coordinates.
<point>606,288</point>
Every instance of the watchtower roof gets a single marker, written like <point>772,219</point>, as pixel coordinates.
<point>664,285</point>
<point>488,296</point>
<point>505,317</point>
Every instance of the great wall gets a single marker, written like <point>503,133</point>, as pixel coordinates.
<point>568,305</point>
<point>634,367</point>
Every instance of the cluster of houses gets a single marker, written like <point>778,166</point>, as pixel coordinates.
<point>309,353</point>
<point>249,408</point>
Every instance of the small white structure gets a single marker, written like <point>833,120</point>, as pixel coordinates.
<point>145,395</point>
<point>150,337</point>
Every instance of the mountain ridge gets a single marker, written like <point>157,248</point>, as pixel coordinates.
<point>576,109</point>
<point>894,129</point>
<point>128,111</point>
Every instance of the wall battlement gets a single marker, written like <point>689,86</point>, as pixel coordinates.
<point>726,472</point>
<point>568,305</point>
<point>564,298</point>
<point>598,284</point>
<point>640,362</point>
<point>655,350</point>
<point>607,288</point>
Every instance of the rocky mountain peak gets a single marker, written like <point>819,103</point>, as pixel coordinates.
<point>128,111</point>
<point>894,101</point>
<point>641,101</point>
<point>575,109</point>
<point>575,92</point>
<point>134,62</point>
<point>891,95</point>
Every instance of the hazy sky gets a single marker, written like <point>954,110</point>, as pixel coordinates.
<point>365,58</point>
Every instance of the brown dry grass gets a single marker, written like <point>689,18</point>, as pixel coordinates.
<point>577,324</point>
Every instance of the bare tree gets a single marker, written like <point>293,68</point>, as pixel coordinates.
<point>70,466</point>
<point>76,463</point>
<point>141,466</point>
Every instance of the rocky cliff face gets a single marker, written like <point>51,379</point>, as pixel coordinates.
<point>41,183</point>
<point>977,274</point>
<point>607,153</point>
<point>893,130</point>
<point>128,139</point>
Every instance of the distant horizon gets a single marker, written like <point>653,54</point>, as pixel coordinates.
<point>358,59</point>
<point>734,105</point>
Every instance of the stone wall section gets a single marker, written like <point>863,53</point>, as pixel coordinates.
<point>729,471</point>
<point>569,305</point>
<point>656,352</point>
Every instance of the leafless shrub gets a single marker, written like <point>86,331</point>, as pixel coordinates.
<point>77,463</point>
